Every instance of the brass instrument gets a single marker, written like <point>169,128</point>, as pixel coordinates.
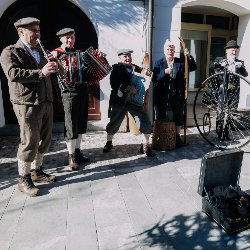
<point>61,81</point>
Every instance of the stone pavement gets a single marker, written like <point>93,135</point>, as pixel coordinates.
<point>120,200</point>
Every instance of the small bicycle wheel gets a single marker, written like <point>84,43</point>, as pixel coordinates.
<point>218,116</point>
<point>206,124</point>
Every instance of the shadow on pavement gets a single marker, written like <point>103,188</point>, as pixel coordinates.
<point>190,232</point>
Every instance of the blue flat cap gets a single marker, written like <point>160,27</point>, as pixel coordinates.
<point>124,51</point>
<point>26,21</point>
<point>65,31</point>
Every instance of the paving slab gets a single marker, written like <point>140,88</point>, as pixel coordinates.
<point>120,200</point>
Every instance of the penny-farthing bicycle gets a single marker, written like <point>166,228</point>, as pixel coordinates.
<point>219,115</point>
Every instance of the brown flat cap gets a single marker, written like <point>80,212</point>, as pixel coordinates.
<point>65,31</point>
<point>26,21</point>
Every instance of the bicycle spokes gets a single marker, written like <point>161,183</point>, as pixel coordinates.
<point>216,111</point>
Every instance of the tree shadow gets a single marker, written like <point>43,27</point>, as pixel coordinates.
<point>195,231</point>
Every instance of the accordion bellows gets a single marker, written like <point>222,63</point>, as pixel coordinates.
<point>84,67</point>
<point>95,67</point>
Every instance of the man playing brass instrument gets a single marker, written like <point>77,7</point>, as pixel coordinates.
<point>75,98</point>
<point>30,88</point>
<point>120,81</point>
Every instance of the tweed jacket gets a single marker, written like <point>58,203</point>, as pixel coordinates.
<point>26,83</point>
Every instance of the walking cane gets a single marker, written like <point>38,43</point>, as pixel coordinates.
<point>186,76</point>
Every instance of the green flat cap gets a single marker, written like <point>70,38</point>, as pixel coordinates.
<point>124,51</point>
<point>26,21</point>
<point>65,31</point>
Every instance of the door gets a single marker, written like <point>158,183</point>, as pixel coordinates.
<point>197,38</point>
<point>54,15</point>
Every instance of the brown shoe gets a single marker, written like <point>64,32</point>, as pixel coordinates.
<point>26,186</point>
<point>146,149</point>
<point>73,163</point>
<point>39,176</point>
<point>80,157</point>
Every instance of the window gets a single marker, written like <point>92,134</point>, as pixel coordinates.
<point>218,22</point>
<point>191,18</point>
<point>197,43</point>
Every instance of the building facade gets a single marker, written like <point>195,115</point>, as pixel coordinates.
<point>143,26</point>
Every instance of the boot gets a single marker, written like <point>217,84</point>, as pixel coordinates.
<point>219,130</point>
<point>108,146</point>
<point>38,175</point>
<point>73,163</point>
<point>179,142</point>
<point>26,185</point>
<point>146,149</point>
<point>80,157</point>
<point>141,149</point>
<point>226,133</point>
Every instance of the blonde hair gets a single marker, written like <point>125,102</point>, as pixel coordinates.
<point>167,44</point>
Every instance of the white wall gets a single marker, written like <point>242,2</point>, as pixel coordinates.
<point>167,18</point>
<point>119,24</point>
<point>167,23</point>
<point>243,40</point>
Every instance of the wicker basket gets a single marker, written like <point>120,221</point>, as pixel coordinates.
<point>164,135</point>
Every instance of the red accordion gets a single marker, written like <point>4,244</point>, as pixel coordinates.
<point>83,67</point>
<point>95,67</point>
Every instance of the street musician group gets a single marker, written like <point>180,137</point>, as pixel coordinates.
<point>32,72</point>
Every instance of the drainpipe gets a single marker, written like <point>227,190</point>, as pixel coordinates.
<point>150,52</point>
<point>150,24</point>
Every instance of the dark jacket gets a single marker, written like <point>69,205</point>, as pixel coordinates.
<point>170,88</point>
<point>218,63</point>
<point>25,80</point>
<point>119,80</point>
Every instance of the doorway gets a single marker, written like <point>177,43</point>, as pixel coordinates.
<point>54,15</point>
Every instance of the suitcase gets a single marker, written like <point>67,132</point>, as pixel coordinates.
<point>221,168</point>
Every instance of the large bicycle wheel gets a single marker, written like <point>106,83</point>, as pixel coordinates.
<point>219,114</point>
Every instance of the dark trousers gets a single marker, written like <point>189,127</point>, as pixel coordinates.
<point>118,113</point>
<point>75,106</point>
<point>175,107</point>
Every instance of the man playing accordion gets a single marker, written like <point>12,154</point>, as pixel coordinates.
<point>120,104</point>
<point>74,96</point>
